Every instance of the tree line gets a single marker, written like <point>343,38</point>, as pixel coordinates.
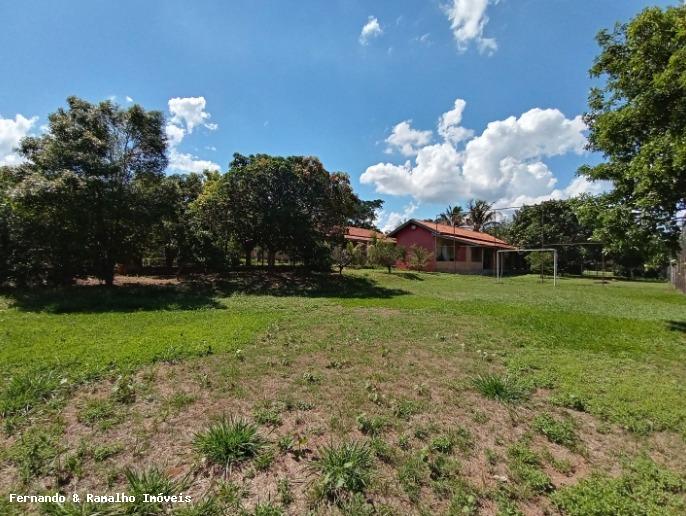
<point>92,193</point>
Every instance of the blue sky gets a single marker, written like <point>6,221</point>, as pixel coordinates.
<point>305,78</point>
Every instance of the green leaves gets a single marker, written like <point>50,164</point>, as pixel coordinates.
<point>638,120</point>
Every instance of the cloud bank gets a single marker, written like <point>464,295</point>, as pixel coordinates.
<point>503,164</point>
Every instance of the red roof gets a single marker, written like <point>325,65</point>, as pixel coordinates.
<point>364,235</point>
<point>466,235</point>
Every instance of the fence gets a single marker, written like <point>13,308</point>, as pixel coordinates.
<point>677,271</point>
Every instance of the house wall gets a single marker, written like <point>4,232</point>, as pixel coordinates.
<point>463,264</point>
<point>420,237</point>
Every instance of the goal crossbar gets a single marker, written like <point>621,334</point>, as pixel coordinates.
<point>498,261</point>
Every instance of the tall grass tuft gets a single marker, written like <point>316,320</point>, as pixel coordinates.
<point>153,482</point>
<point>25,391</point>
<point>498,388</point>
<point>345,469</point>
<point>230,441</point>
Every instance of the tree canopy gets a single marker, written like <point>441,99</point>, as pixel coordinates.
<point>637,120</point>
<point>551,223</point>
<point>85,197</point>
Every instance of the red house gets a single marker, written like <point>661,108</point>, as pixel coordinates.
<point>453,249</point>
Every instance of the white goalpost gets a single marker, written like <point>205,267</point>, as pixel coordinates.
<point>499,261</point>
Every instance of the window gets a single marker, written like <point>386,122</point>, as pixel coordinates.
<point>461,254</point>
<point>477,253</point>
<point>445,253</point>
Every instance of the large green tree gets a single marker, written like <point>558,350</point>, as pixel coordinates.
<point>289,204</point>
<point>550,223</point>
<point>88,191</point>
<point>637,120</point>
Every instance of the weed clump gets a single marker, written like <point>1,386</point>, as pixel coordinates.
<point>229,441</point>
<point>499,388</point>
<point>345,469</point>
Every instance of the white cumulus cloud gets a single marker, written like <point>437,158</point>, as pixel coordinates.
<point>391,220</point>
<point>449,124</point>
<point>11,133</point>
<point>406,139</point>
<point>503,164</point>
<point>184,162</point>
<point>371,30</point>
<point>187,113</point>
<point>467,20</point>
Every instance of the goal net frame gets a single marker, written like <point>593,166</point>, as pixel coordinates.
<point>499,262</point>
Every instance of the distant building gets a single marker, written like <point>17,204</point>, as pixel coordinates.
<point>364,236</point>
<point>453,249</point>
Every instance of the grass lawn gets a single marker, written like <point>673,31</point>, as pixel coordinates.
<point>368,393</point>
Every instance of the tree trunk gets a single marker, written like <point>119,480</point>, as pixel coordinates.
<point>271,259</point>
<point>169,255</point>
<point>248,254</point>
<point>108,274</point>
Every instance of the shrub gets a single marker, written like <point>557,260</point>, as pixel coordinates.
<point>418,257</point>
<point>230,441</point>
<point>345,469</point>
<point>382,253</point>
<point>557,431</point>
<point>498,388</point>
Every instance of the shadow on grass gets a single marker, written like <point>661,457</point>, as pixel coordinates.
<point>677,326</point>
<point>195,293</point>
<point>409,276</point>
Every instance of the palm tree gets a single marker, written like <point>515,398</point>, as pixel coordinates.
<point>480,214</point>
<point>453,215</point>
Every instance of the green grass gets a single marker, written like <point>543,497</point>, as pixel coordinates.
<point>408,362</point>
<point>643,488</point>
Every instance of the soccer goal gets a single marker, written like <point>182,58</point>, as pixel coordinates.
<point>500,261</point>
